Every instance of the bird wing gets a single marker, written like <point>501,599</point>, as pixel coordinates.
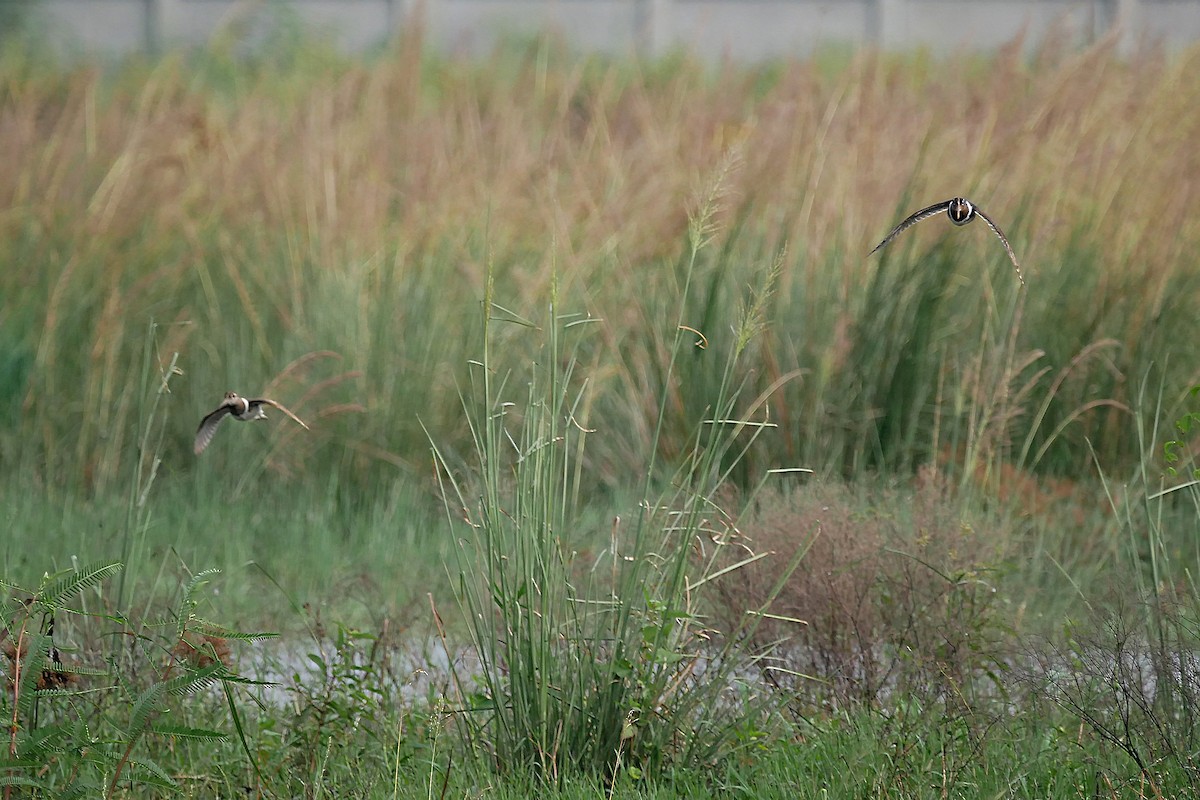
<point>273,404</point>
<point>208,427</point>
<point>924,213</point>
<point>999,233</point>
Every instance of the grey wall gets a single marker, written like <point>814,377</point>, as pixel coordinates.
<point>741,29</point>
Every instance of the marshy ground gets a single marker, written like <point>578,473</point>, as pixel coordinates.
<point>609,403</point>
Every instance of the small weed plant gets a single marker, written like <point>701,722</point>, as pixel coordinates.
<point>78,723</point>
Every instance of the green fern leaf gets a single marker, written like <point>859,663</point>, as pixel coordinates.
<point>151,700</point>
<point>150,772</point>
<point>36,652</point>
<point>147,704</point>
<point>77,791</point>
<point>187,602</point>
<point>185,732</point>
<point>221,632</point>
<point>198,580</point>
<point>196,680</point>
<point>74,582</point>
<point>43,740</point>
<point>17,780</point>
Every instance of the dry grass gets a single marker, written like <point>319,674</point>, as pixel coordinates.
<point>892,595</point>
<point>263,213</point>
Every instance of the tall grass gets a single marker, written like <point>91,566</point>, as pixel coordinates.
<point>268,208</point>
<point>1126,666</point>
<point>611,668</point>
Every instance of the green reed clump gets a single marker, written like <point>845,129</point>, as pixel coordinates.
<point>606,666</point>
<point>268,207</point>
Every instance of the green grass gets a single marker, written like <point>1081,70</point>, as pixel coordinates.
<point>669,261</point>
<point>273,549</point>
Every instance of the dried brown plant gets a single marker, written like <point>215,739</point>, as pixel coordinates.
<point>891,590</point>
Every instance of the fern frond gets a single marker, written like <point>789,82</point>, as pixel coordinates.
<point>152,773</point>
<point>41,741</point>
<point>196,680</point>
<point>44,693</point>
<point>147,704</point>
<point>34,656</point>
<point>80,669</point>
<point>75,792</point>
<point>198,580</point>
<point>207,628</point>
<point>151,700</point>
<point>242,680</point>
<point>184,732</point>
<point>188,601</point>
<point>74,582</point>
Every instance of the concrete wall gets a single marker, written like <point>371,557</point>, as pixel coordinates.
<point>741,29</point>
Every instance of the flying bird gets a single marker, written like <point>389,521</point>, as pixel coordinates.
<point>242,408</point>
<point>960,210</point>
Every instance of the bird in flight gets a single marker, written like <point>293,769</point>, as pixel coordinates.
<point>242,408</point>
<point>960,210</point>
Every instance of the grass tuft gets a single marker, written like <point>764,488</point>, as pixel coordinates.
<point>611,669</point>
